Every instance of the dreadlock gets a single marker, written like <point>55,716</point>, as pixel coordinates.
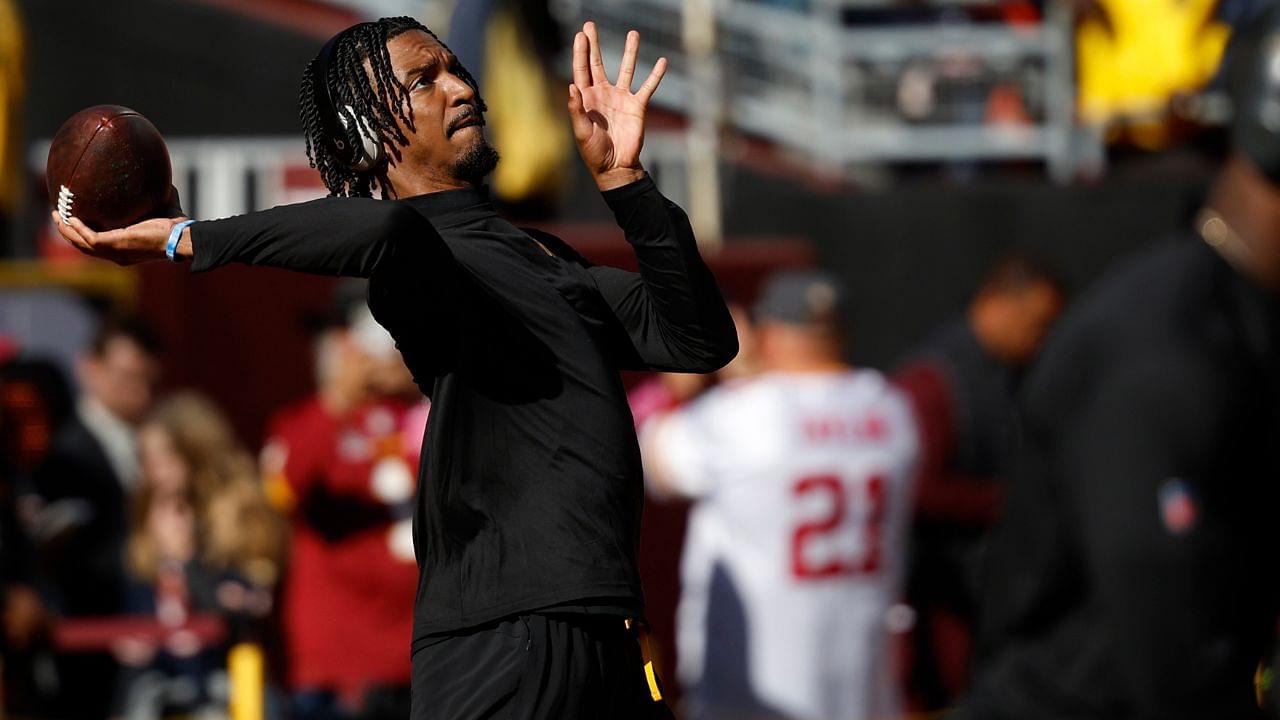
<point>381,102</point>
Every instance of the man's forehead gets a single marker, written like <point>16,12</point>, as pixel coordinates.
<point>413,49</point>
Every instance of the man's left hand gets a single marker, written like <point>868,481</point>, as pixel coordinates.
<point>608,119</point>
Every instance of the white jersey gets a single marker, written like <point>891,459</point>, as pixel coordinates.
<point>796,542</point>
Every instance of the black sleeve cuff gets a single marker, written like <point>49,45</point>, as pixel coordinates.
<point>646,217</point>
<point>620,197</point>
<point>201,258</point>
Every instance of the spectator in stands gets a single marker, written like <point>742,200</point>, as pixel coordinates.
<point>202,539</point>
<point>188,442</point>
<point>338,464</point>
<point>22,613</point>
<point>962,380</point>
<point>33,396</point>
<point>82,485</point>
<point>36,400</point>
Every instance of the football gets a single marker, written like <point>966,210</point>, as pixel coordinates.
<point>108,165</point>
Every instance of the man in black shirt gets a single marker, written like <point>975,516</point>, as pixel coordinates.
<point>531,486</point>
<point>82,487</point>
<point>963,379</point>
<point>1131,577</point>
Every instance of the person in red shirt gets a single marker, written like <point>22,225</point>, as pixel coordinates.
<point>338,465</point>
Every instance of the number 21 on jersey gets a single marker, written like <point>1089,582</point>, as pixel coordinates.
<point>831,516</point>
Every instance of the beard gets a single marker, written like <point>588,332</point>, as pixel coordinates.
<point>476,162</point>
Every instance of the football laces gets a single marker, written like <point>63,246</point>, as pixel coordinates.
<point>65,199</point>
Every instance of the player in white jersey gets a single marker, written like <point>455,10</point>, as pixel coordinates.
<point>802,479</point>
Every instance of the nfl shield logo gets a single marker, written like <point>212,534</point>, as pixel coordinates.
<point>1178,508</point>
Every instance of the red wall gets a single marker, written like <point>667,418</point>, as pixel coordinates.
<point>235,334</point>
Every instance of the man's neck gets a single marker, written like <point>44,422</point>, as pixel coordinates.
<point>97,412</point>
<point>424,183</point>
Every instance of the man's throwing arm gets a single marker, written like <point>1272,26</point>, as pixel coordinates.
<point>349,237</point>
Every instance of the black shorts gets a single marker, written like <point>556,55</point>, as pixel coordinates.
<point>536,667</point>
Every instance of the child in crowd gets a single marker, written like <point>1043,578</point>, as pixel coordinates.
<point>203,542</point>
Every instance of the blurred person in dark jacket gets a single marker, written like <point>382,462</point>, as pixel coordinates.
<point>963,379</point>
<point>33,399</point>
<point>202,539</point>
<point>23,617</point>
<point>979,358</point>
<point>81,487</point>
<point>1131,575</point>
<point>91,467</point>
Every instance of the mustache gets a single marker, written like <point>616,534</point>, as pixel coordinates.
<point>471,112</point>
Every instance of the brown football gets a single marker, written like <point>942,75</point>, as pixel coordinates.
<point>108,166</point>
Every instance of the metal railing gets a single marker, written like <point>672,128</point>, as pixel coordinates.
<point>809,77</point>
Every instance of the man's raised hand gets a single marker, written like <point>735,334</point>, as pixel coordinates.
<point>608,119</point>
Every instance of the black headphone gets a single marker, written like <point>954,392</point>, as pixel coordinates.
<point>352,138</point>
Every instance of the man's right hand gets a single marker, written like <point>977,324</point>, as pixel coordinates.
<point>142,242</point>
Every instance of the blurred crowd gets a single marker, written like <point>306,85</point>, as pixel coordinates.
<point>145,548</point>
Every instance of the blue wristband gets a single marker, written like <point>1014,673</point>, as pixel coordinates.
<point>171,247</point>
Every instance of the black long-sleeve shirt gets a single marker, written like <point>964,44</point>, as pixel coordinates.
<point>531,488</point>
<point>1132,577</point>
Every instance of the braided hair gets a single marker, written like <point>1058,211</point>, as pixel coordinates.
<point>382,102</point>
